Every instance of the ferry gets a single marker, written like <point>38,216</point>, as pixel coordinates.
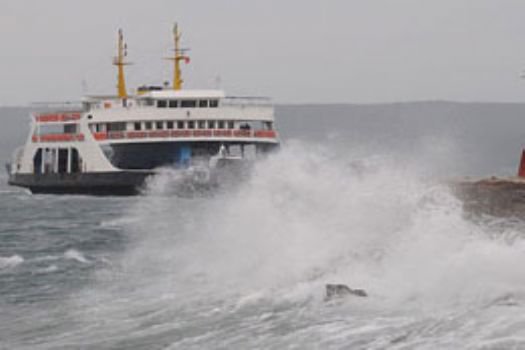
<point>110,145</point>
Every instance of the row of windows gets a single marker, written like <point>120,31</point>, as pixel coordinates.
<point>180,124</point>
<point>190,124</point>
<point>183,103</point>
<point>46,129</point>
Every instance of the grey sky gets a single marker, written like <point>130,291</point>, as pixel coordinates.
<point>291,50</point>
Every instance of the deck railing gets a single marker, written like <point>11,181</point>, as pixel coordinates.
<point>58,138</point>
<point>246,101</point>
<point>195,133</point>
<point>133,135</point>
<point>57,117</point>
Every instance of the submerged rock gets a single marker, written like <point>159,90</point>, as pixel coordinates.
<point>342,290</point>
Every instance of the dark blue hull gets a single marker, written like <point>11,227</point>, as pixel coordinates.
<point>122,183</point>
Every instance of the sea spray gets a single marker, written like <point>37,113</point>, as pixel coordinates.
<point>301,216</point>
<point>253,259</point>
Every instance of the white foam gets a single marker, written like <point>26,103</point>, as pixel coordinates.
<point>11,261</point>
<point>48,269</point>
<point>306,218</point>
<point>74,254</point>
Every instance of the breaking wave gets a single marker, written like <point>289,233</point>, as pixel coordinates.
<point>304,216</point>
<point>208,271</point>
<point>73,254</point>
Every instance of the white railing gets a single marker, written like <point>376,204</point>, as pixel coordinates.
<point>246,101</point>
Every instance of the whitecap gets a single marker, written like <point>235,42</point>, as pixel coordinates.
<point>73,254</point>
<point>45,258</point>
<point>49,269</point>
<point>11,261</point>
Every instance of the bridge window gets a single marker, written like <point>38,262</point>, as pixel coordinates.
<point>188,103</point>
<point>214,103</point>
<point>137,126</point>
<point>159,125</point>
<point>169,125</point>
<point>174,103</point>
<point>203,103</point>
<point>162,103</point>
<point>180,125</point>
<point>116,126</point>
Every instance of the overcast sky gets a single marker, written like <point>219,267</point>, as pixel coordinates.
<point>296,51</point>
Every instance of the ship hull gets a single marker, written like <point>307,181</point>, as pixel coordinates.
<point>123,183</point>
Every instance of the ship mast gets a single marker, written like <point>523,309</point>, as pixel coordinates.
<point>179,56</point>
<point>122,52</point>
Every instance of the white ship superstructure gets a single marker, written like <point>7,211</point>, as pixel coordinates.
<point>112,143</point>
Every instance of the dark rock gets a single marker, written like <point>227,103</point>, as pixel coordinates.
<point>500,197</point>
<point>342,290</point>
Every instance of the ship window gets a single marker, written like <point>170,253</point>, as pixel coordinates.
<point>116,126</point>
<point>211,124</point>
<point>191,124</point>
<point>148,125</point>
<point>98,127</point>
<point>169,125</point>
<point>70,128</point>
<point>162,104</point>
<point>180,125</point>
<point>149,102</point>
<point>159,125</point>
<point>202,124</point>
<point>214,103</point>
<point>137,126</point>
<point>174,103</point>
<point>203,103</point>
<point>268,125</point>
<point>230,125</point>
<point>188,103</point>
<point>221,124</point>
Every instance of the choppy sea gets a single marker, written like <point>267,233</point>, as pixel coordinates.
<point>355,196</point>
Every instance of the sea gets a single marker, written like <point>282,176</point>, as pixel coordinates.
<point>357,195</point>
